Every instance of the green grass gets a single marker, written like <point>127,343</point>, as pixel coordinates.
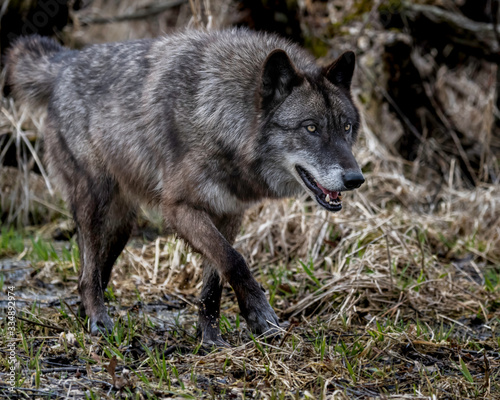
<point>14,243</point>
<point>11,242</point>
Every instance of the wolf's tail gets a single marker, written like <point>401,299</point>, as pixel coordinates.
<point>32,70</point>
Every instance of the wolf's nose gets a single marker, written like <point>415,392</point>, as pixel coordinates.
<point>353,180</point>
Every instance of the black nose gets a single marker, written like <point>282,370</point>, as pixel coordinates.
<point>353,180</point>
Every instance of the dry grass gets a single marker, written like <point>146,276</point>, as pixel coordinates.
<point>395,297</point>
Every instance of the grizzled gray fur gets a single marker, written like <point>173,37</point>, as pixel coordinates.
<point>200,124</point>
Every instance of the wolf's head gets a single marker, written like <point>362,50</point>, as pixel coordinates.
<point>310,125</point>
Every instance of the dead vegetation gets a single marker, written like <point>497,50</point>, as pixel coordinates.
<point>395,297</point>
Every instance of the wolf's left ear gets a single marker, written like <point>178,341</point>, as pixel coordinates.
<point>278,78</point>
<point>341,70</point>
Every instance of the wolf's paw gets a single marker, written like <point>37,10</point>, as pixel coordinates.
<point>209,334</point>
<point>263,321</point>
<point>102,325</point>
<point>214,342</point>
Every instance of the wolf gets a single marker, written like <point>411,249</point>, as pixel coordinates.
<point>202,125</point>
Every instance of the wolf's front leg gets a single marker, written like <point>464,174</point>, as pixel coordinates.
<point>209,307</point>
<point>201,232</point>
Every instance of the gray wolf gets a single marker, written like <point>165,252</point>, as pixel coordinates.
<point>200,124</point>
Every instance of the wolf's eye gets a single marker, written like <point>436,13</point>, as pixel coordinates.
<point>311,128</point>
<point>347,127</point>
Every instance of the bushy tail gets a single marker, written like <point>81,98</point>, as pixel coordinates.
<point>31,69</point>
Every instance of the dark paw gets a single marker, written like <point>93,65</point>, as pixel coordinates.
<point>217,342</point>
<point>263,320</point>
<point>102,325</point>
<point>209,334</point>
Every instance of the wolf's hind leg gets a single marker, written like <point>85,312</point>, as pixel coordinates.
<point>209,306</point>
<point>104,220</point>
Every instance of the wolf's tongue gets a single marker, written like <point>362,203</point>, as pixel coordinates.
<point>333,195</point>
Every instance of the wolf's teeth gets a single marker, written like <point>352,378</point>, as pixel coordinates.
<point>327,198</point>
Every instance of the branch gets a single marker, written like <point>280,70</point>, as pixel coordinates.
<point>146,11</point>
<point>484,33</point>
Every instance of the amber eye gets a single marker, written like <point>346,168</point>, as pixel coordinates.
<point>311,128</point>
<point>347,127</point>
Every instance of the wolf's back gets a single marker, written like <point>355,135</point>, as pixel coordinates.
<point>33,63</point>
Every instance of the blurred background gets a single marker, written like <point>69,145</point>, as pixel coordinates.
<point>426,82</point>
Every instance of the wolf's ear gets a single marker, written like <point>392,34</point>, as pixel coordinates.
<point>278,78</point>
<point>341,70</point>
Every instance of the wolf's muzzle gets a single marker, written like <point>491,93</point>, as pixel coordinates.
<point>353,180</point>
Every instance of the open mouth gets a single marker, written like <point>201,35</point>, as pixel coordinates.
<point>332,201</point>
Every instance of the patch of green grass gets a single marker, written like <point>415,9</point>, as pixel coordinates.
<point>492,279</point>
<point>11,242</point>
<point>109,293</point>
<point>42,250</point>
<point>309,270</point>
<point>71,254</point>
<point>34,248</point>
<point>277,279</point>
<point>159,365</point>
<point>443,333</point>
<point>225,325</point>
<point>258,345</point>
<point>465,371</point>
